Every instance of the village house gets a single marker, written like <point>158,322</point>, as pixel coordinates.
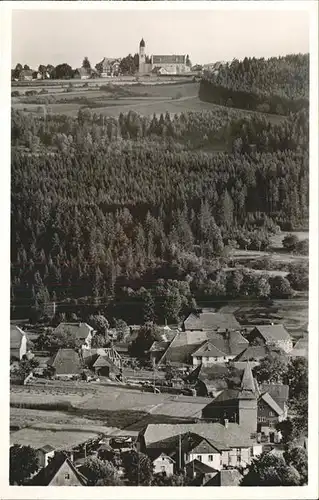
<point>108,67</point>
<point>81,331</point>
<point>18,343</point>
<point>66,363</point>
<point>60,471</point>
<point>214,444</point>
<point>163,464</point>
<point>275,336</point>
<point>199,472</point>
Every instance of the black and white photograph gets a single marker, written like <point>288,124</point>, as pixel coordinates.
<point>160,227</point>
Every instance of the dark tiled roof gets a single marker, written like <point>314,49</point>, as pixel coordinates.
<point>271,403</point>
<point>46,475</point>
<point>233,435</point>
<point>199,467</point>
<point>66,361</point>
<point>279,393</point>
<point>208,320</point>
<point>253,353</point>
<point>231,477</point>
<point>210,350</point>
<point>273,333</point>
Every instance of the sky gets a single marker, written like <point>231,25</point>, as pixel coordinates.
<point>54,37</point>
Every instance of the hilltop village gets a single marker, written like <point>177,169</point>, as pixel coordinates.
<point>210,405</point>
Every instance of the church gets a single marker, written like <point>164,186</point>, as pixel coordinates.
<point>162,64</point>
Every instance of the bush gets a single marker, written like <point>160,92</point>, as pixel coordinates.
<point>15,93</point>
<point>31,92</point>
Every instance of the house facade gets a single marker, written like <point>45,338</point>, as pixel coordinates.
<point>44,454</point>
<point>60,471</point>
<point>108,67</point>
<point>164,464</point>
<point>209,354</point>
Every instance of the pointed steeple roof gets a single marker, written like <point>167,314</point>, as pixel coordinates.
<point>247,382</point>
<point>142,43</point>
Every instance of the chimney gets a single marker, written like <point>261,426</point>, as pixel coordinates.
<point>226,423</point>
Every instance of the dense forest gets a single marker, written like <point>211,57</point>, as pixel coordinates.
<point>277,85</point>
<point>131,211</point>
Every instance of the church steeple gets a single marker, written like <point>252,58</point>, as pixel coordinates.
<point>142,43</point>
<point>247,381</point>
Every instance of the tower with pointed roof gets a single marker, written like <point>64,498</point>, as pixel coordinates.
<point>142,59</point>
<point>247,400</point>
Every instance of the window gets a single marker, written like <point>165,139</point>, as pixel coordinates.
<point>271,413</point>
<point>259,419</point>
<point>66,476</point>
<point>199,457</point>
<point>263,419</point>
<point>210,458</point>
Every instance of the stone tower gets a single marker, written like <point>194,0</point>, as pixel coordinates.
<point>142,60</point>
<point>247,400</point>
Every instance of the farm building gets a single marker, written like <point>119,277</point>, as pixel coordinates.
<point>60,471</point>
<point>103,366</point>
<point>207,320</point>
<point>26,75</point>
<point>271,336</point>
<point>108,67</point>
<point>18,343</point>
<point>66,363</point>
<point>164,64</point>
<point>81,331</point>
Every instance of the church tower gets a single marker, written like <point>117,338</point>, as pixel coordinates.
<point>247,400</point>
<point>142,60</point>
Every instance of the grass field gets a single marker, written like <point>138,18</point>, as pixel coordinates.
<point>145,99</point>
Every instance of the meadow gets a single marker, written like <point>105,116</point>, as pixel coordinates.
<point>110,98</point>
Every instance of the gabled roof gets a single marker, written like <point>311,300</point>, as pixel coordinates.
<point>45,476</point>
<point>80,330</point>
<point>271,333</point>
<point>220,436</point>
<point>199,467</point>
<point>161,454</point>
<point>224,477</point>
<point>270,402</point>
<point>208,349</point>
<point>208,320</point>
<point>105,361</point>
<point>16,335</point>
<point>278,392</point>
<point>66,361</point>
<point>205,446</point>
<point>253,353</point>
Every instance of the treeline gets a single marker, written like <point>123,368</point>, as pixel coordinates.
<point>276,85</point>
